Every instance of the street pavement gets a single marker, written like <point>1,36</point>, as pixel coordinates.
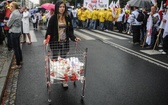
<point>118,73</point>
<point>5,62</point>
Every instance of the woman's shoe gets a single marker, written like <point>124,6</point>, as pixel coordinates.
<point>29,43</point>
<point>23,42</point>
<point>16,67</point>
<point>164,53</point>
<point>161,50</point>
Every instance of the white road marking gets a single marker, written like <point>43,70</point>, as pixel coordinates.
<point>111,35</point>
<point>32,35</point>
<point>84,36</point>
<point>128,36</point>
<point>151,52</point>
<point>94,34</point>
<point>137,54</point>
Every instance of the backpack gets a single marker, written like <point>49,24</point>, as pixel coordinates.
<point>141,17</point>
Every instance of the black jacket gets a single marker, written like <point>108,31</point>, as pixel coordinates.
<point>52,29</point>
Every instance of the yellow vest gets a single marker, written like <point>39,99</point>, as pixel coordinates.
<point>79,14</point>
<point>88,14</point>
<point>83,15</point>
<point>101,16</point>
<point>94,15</point>
<point>109,15</point>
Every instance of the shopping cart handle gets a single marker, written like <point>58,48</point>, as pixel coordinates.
<point>48,39</point>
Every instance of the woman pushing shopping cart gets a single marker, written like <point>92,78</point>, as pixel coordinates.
<point>65,60</point>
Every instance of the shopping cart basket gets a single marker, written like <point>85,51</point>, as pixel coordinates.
<point>65,62</point>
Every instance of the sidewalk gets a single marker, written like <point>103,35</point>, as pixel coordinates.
<point>5,62</point>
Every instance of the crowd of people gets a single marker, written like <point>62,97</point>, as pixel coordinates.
<point>14,22</point>
<point>145,26</point>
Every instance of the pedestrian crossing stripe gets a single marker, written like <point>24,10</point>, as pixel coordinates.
<point>137,54</point>
<point>94,34</point>
<point>87,35</point>
<point>84,36</point>
<point>32,35</point>
<point>110,35</point>
<point>116,33</point>
<point>151,52</point>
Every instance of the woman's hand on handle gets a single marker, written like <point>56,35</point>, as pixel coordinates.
<point>77,39</point>
<point>46,40</point>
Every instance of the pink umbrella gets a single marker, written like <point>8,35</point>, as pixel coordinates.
<point>48,6</point>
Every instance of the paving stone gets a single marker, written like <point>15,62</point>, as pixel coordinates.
<point>11,87</point>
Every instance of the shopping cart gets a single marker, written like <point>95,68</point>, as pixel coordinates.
<point>65,62</point>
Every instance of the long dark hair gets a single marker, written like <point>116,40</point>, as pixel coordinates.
<point>57,4</point>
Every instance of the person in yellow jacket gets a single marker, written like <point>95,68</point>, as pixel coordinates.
<point>83,17</point>
<point>88,17</point>
<point>101,19</point>
<point>79,13</point>
<point>106,19</point>
<point>118,12</point>
<point>109,20</point>
<point>44,19</point>
<point>94,18</point>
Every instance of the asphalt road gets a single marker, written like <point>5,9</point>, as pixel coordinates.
<point>117,74</point>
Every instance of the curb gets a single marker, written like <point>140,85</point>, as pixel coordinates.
<point>5,73</point>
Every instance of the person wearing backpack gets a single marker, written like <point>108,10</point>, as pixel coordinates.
<point>136,25</point>
<point>6,28</point>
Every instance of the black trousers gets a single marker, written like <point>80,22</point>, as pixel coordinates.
<point>136,33</point>
<point>1,36</point>
<point>16,47</point>
<point>35,25</point>
<point>59,49</point>
<point>165,44</point>
<point>9,38</point>
<point>120,26</point>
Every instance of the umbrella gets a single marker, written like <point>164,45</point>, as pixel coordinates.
<point>3,3</point>
<point>33,10</point>
<point>140,3</point>
<point>48,6</point>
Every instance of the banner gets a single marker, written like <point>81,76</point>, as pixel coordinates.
<point>96,4</point>
<point>90,4</point>
<point>118,4</point>
<point>154,2</point>
<point>111,4</point>
<point>102,4</point>
<point>85,3</point>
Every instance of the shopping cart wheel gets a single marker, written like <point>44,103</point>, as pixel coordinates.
<point>47,85</point>
<point>74,83</point>
<point>82,98</point>
<point>49,101</point>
